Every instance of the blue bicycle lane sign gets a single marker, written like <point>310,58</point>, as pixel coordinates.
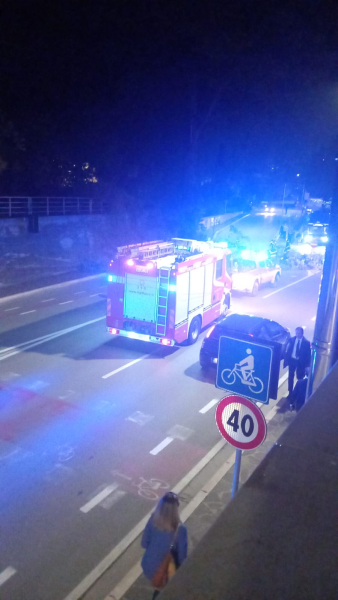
<point>244,368</point>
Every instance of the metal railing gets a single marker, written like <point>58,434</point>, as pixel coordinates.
<point>44,206</point>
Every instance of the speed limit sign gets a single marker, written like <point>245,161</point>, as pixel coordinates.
<point>241,422</point>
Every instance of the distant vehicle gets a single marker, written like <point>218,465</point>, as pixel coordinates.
<point>257,328</point>
<point>165,292</point>
<point>252,270</point>
<point>316,232</point>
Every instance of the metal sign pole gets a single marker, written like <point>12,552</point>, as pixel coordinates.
<point>235,480</point>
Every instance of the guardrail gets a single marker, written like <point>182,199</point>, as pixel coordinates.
<point>45,206</point>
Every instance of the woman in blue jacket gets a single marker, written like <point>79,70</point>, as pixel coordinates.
<point>165,541</point>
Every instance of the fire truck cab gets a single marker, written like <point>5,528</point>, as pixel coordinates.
<point>166,292</point>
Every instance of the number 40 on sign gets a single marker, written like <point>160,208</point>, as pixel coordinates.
<point>241,422</point>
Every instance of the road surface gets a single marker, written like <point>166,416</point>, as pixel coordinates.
<point>94,429</point>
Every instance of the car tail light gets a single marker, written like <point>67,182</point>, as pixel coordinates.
<point>114,331</point>
<point>165,342</point>
<point>209,332</point>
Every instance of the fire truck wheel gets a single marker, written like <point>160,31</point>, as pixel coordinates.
<point>194,330</point>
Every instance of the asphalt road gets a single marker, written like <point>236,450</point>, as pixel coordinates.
<point>94,429</point>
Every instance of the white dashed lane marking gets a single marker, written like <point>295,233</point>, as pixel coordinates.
<point>82,292</point>
<point>162,445</point>
<point>48,300</point>
<point>14,308</point>
<point>6,574</point>
<point>67,302</point>
<point>99,497</point>
<point>92,295</point>
<point>27,312</point>
<point>130,364</point>
<point>208,406</point>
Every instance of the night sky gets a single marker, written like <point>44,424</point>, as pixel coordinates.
<point>168,100</point>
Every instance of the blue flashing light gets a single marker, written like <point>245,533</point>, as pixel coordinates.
<point>324,238</point>
<point>172,287</point>
<point>110,278</point>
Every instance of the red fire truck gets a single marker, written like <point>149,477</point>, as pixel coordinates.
<point>165,292</point>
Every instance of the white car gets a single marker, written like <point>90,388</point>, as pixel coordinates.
<point>249,274</point>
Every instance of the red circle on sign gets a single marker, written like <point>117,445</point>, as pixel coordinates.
<point>260,435</point>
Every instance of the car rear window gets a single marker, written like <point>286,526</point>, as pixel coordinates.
<point>273,328</point>
<point>241,324</point>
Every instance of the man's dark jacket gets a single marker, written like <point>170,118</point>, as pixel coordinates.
<point>304,358</point>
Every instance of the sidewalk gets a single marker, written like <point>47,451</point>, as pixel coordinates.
<point>202,501</point>
<point>209,510</point>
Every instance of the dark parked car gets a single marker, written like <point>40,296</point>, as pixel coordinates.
<point>257,328</point>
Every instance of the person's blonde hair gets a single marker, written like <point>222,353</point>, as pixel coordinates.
<point>166,516</point>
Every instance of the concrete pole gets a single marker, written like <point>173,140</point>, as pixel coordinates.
<point>324,346</point>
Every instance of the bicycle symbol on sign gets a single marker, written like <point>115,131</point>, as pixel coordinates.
<point>244,371</point>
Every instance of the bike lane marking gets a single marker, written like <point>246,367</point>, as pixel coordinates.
<point>134,573</point>
<point>99,497</point>
<point>6,574</point>
<point>162,445</point>
<point>134,533</point>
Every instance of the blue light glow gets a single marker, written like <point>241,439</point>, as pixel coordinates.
<point>110,278</point>
<point>172,288</point>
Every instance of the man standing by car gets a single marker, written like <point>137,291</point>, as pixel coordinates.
<point>297,357</point>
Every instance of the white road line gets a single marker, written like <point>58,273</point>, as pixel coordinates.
<point>14,308</point>
<point>122,546</point>
<point>67,302</point>
<point>162,445</point>
<point>50,287</point>
<point>99,497</point>
<point>8,352</point>
<point>289,285</point>
<point>6,574</point>
<point>92,295</point>
<point>133,574</point>
<point>48,300</point>
<point>314,318</point>
<point>130,364</point>
<point>122,587</point>
<point>208,406</point>
<point>82,292</point>
<point>27,312</point>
